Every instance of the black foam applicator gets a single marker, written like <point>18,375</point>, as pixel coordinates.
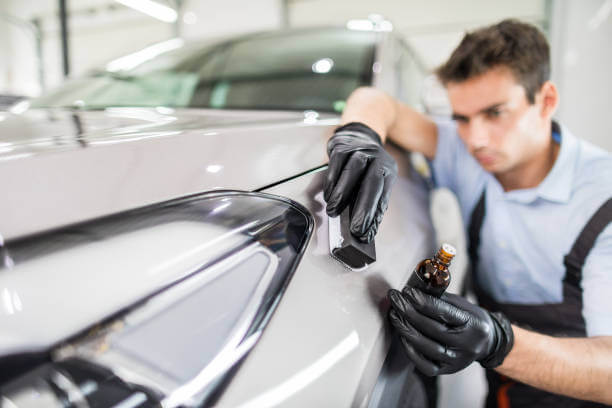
<point>347,248</point>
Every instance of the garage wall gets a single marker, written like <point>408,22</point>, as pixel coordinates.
<point>434,27</point>
<point>582,65</point>
<point>101,30</point>
<point>4,46</point>
<point>98,31</point>
<point>216,18</point>
<point>18,72</point>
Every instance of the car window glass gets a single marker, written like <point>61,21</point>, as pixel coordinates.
<point>299,71</point>
<point>347,52</point>
<point>310,69</point>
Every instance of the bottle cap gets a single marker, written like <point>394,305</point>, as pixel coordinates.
<point>446,253</point>
<point>449,250</point>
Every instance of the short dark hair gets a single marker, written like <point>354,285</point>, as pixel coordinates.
<point>518,46</point>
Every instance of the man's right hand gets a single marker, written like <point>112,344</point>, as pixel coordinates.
<point>360,172</point>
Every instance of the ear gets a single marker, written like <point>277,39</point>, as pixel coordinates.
<point>548,100</point>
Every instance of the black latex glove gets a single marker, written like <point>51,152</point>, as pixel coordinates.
<point>361,170</point>
<point>445,335</point>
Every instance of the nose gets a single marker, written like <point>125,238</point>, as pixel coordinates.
<point>477,135</point>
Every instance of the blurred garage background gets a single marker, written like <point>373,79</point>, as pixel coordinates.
<point>32,56</point>
<point>44,41</point>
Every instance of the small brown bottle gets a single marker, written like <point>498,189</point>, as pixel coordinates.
<point>432,275</point>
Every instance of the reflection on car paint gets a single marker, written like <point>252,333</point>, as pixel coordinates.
<point>181,341</point>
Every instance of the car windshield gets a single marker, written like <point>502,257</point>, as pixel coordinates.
<point>295,70</point>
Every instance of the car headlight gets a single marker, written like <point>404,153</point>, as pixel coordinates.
<point>189,313</point>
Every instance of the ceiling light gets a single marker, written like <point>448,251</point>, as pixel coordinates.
<point>152,8</point>
<point>373,23</point>
<point>360,25</point>
<point>323,66</point>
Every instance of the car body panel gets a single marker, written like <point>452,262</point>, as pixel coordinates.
<point>174,345</point>
<point>330,328</point>
<point>327,340</point>
<point>132,162</point>
<point>147,250</point>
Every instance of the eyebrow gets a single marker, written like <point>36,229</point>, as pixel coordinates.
<point>465,118</point>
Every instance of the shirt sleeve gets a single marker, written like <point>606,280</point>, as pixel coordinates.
<point>453,167</point>
<point>597,286</point>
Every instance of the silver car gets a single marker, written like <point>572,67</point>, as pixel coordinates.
<point>164,241</point>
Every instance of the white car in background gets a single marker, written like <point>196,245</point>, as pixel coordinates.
<point>164,238</point>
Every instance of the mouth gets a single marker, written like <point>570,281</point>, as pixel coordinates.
<point>485,158</point>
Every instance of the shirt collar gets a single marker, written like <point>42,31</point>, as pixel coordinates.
<point>557,185</point>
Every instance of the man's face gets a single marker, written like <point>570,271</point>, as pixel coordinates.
<point>499,126</point>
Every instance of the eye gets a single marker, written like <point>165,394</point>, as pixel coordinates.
<point>460,119</point>
<point>493,113</point>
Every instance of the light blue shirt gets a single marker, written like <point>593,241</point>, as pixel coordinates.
<point>526,233</point>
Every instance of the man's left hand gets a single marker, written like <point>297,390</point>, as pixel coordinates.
<point>444,335</point>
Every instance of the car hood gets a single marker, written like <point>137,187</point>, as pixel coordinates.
<point>64,166</point>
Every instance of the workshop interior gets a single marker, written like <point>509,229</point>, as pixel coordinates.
<point>305,203</point>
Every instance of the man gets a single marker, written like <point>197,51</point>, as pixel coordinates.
<point>537,202</point>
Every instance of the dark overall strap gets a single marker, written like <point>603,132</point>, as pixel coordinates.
<point>474,227</point>
<point>574,260</point>
<point>476,220</point>
<point>504,391</point>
